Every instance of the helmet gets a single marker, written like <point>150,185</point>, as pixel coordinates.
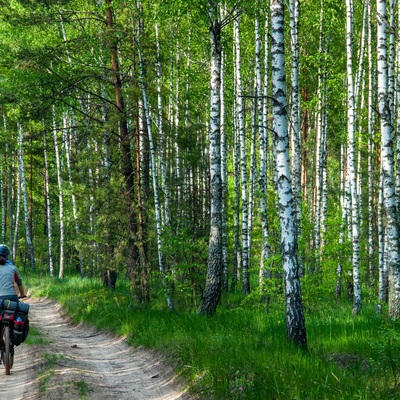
<point>4,250</point>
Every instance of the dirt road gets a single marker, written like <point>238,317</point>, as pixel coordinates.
<point>79,362</point>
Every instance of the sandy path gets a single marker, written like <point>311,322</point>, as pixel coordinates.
<point>82,363</point>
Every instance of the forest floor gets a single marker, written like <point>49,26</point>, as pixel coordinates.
<point>80,362</point>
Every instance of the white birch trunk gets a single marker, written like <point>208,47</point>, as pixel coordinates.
<point>237,260</point>
<point>391,60</point>
<point>339,268</point>
<point>387,161</point>
<point>48,208</point>
<point>243,159</point>
<point>319,155</point>
<point>295,322</point>
<point>359,100</point>
<point>60,195</point>
<point>224,173</point>
<point>253,175</point>
<point>161,135</point>
<point>397,73</point>
<point>295,134</point>
<point>16,216</point>
<point>21,173</point>
<point>351,170</point>
<point>262,96</point>
<point>2,198</point>
<point>371,150</point>
<point>212,288</point>
<point>382,258</point>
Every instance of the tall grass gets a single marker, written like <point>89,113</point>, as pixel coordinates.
<point>242,353</point>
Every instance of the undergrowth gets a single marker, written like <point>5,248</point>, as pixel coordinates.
<point>241,352</point>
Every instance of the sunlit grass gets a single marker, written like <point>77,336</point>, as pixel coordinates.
<point>35,337</point>
<point>242,353</point>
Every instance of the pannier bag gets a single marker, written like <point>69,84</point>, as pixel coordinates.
<point>20,329</point>
<point>14,305</point>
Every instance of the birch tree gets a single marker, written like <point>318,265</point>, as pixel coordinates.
<point>371,149</point>
<point>22,180</point>
<point>351,127</point>
<point>387,160</point>
<point>48,208</point>
<point>262,99</point>
<point>294,8</point>
<point>212,288</point>
<point>60,196</point>
<point>295,322</point>
<point>243,159</point>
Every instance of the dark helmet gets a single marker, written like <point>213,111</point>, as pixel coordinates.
<point>4,250</point>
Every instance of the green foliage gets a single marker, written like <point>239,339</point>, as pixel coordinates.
<point>386,353</point>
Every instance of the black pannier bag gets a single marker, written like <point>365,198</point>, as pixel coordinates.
<point>20,329</point>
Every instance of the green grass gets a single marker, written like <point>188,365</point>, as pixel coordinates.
<point>242,353</point>
<point>35,337</point>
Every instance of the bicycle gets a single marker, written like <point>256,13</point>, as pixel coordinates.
<point>13,316</point>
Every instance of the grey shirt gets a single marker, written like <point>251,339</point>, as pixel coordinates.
<point>8,275</point>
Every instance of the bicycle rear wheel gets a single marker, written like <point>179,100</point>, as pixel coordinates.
<point>6,357</point>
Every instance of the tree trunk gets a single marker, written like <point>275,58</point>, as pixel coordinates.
<point>371,150</point>
<point>294,8</point>
<point>243,160</point>
<point>22,178</point>
<point>212,290</point>
<point>295,322</point>
<point>262,99</point>
<point>392,248</point>
<point>49,227</point>
<point>60,196</point>
<point>351,160</point>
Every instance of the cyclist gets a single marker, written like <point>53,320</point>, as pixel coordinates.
<point>9,277</point>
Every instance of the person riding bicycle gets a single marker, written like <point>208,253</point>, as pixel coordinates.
<point>9,277</point>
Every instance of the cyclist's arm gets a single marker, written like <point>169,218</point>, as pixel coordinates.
<point>21,291</point>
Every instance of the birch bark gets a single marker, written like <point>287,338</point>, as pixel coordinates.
<point>262,97</point>
<point>224,171</point>
<point>371,149</point>
<point>243,159</point>
<point>397,73</point>
<point>16,216</point>
<point>212,288</point>
<point>22,178</point>
<point>60,195</point>
<point>294,8</point>
<point>387,157</point>
<point>48,208</point>
<point>295,322</point>
<point>351,170</point>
